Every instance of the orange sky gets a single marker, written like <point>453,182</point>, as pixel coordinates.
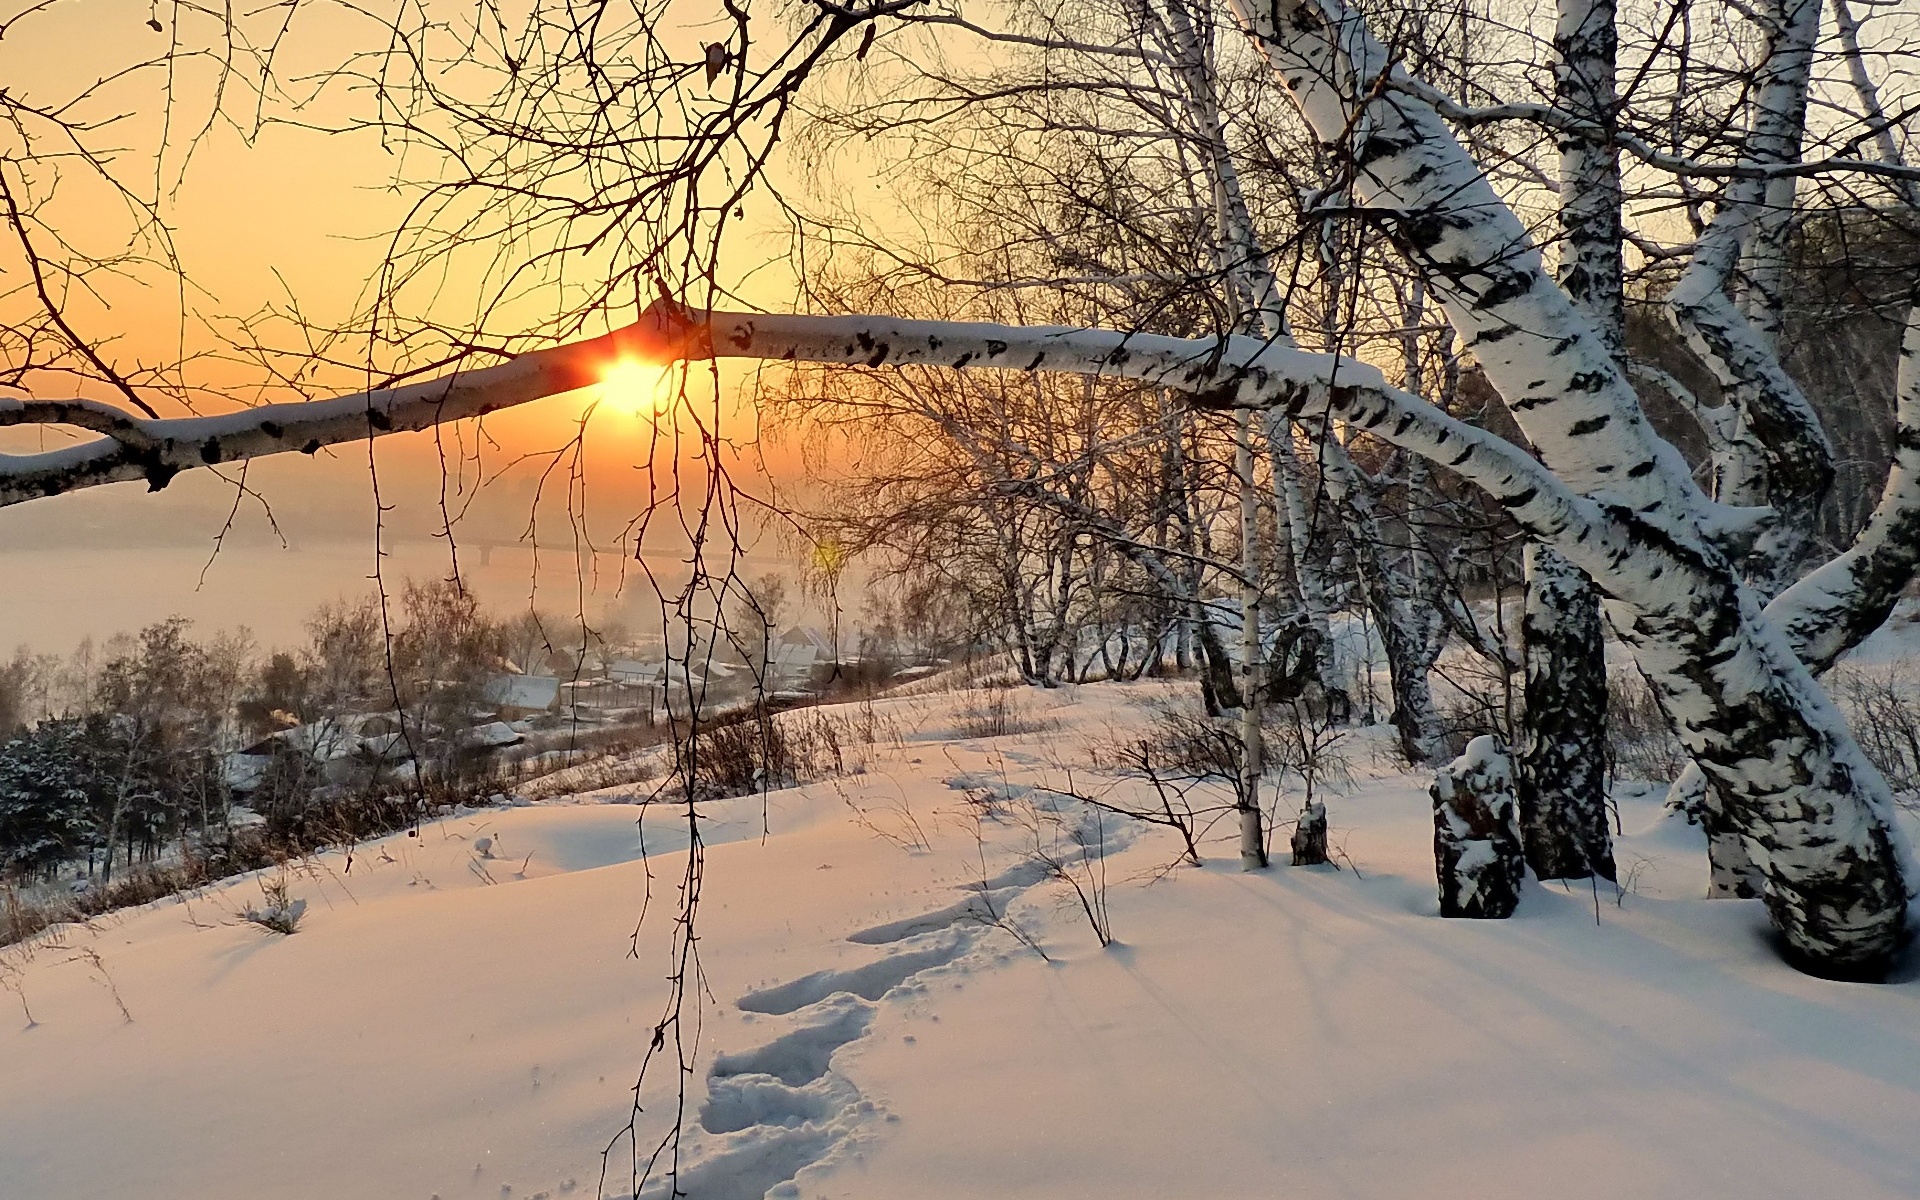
<point>299,216</point>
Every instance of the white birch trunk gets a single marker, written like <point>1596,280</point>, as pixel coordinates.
<point>1815,813</point>
<point>1781,457</point>
<point>1561,766</point>
<point>1869,93</point>
<point>1253,844</point>
<point>1791,28</point>
<point>1284,462</point>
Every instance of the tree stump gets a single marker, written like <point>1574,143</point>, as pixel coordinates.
<point>1310,836</point>
<point>1476,833</point>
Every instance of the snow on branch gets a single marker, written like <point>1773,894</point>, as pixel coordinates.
<point>1548,362</point>
<point>1774,420</point>
<point>155,450</point>
<point>1832,609</point>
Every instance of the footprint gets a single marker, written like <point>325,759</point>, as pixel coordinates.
<point>870,982</point>
<point>738,1102</point>
<point>800,1056</point>
<point>746,1166</point>
<point>775,1110</point>
<point>986,900</point>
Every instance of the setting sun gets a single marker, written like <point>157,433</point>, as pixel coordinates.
<point>636,388</point>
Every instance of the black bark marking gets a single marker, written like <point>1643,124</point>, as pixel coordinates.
<point>272,429</point>
<point>1590,425</point>
<point>210,450</point>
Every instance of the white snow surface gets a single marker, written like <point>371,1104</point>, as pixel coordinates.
<point>446,1024</point>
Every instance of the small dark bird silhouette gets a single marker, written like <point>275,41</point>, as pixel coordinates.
<point>716,60</point>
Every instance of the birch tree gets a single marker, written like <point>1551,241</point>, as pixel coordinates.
<point>1599,487</point>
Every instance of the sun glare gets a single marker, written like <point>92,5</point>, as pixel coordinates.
<point>636,388</point>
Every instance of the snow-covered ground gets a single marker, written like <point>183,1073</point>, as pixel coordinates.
<point>462,1023</point>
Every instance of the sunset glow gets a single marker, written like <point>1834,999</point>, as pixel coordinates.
<point>636,388</point>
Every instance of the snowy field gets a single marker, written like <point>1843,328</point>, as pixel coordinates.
<point>465,1023</point>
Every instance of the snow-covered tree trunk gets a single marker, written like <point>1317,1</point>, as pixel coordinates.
<point>1562,785</point>
<point>1476,834</point>
<point>1297,543</point>
<point>1253,842</point>
<point>1791,29</point>
<point>1815,813</point>
<point>1561,768</point>
<point>1779,456</point>
<point>1830,611</point>
<point>1731,872</point>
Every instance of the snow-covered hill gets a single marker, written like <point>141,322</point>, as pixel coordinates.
<point>463,1023</point>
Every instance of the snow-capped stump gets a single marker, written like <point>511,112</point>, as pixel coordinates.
<point>1476,833</point>
<point>1310,836</point>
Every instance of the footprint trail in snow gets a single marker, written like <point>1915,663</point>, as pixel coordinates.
<point>775,1110</point>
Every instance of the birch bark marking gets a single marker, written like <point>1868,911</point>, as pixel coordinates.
<point>1817,815</point>
<point>1791,28</point>
<point>1554,371</point>
<point>1561,767</point>
<point>1561,776</point>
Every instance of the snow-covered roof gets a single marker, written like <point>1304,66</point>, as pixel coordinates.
<point>523,691</point>
<point>806,635</point>
<point>491,735</point>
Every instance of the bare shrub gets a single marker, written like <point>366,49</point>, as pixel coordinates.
<point>1192,763</point>
<point>277,911</point>
<point>1069,852</point>
<point>738,758</point>
<point>1640,741</point>
<point>891,820</point>
<point>996,712</point>
<point>1883,706</point>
